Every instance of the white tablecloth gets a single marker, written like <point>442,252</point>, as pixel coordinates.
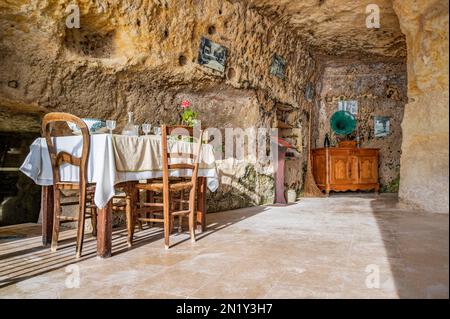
<point>101,166</point>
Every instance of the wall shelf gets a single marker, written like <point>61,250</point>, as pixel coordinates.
<point>282,125</point>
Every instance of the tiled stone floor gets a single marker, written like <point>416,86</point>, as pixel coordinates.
<point>317,248</point>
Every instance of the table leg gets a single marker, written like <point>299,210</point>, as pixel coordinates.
<point>47,214</point>
<point>201,204</point>
<point>104,231</point>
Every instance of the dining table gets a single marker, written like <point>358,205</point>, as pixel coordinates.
<point>113,160</point>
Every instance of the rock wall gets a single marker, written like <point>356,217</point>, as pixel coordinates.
<point>380,89</point>
<point>141,56</point>
<point>425,148</point>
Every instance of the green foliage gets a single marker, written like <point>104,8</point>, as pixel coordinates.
<point>392,187</point>
<point>189,117</point>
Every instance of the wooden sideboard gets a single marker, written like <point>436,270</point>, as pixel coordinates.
<point>346,169</point>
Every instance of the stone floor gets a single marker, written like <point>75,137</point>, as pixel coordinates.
<point>346,246</point>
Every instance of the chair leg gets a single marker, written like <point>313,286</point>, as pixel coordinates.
<point>191,214</point>
<point>81,219</point>
<point>137,197</point>
<point>129,214</point>
<point>180,218</point>
<point>139,223</point>
<point>180,224</point>
<point>172,208</point>
<point>151,199</point>
<point>56,221</point>
<point>148,199</point>
<point>172,222</point>
<point>166,214</point>
<point>94,221</point>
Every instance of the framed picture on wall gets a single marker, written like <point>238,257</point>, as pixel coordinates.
<point>212,55</point>
<point>349,106</point>
<point>278,66</point>
<point>381,126</point>
<point>309,92</point>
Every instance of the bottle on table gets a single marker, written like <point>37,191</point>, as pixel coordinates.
<point>130,127</point>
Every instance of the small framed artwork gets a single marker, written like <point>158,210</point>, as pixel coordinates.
<point>309,92</point>
<point>278,66</point>
<point>350,106</point>
<point>212,55</point>
<point>381,126</point>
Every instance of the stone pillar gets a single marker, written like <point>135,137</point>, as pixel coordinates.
<point>424,175</point>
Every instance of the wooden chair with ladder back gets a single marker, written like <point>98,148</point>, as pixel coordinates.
<point>87,208</point>
<point>187,159</point>
<point>176,199</point>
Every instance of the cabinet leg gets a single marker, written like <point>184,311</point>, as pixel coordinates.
<point>377,190</point>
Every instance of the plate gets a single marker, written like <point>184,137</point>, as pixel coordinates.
<point>96,126</point>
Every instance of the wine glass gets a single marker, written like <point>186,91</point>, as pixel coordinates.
<point>136,129</point>
<point>110,125</point>
<point>157,130</point>
<point>146,128</point>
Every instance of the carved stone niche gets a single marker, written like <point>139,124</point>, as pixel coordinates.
<point>91,44</point>
<point>94,38</point>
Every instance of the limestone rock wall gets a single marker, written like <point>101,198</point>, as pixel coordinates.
<point>380,89</point>
<point>425,148</point>
<point>338,27</point>
<point>141,56</point>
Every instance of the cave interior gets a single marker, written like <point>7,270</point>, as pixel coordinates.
<point>288,65</point>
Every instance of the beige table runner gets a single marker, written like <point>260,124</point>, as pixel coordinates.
<point>143,153</point>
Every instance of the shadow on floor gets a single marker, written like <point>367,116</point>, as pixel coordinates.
<point>416,246</point>
<point>22,255</point>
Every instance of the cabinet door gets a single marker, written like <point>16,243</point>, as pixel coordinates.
<point>320,169</point>
<point>341,169</point>
<point>368,169</point>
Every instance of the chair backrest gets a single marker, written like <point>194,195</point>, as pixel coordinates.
<point>188,158</point>
<point>59,158</point>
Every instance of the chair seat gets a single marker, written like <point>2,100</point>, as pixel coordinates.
<point>158,187</point>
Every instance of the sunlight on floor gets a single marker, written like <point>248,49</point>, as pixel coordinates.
<point>337,247</point>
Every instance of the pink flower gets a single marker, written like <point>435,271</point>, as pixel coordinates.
<point>185,104</point>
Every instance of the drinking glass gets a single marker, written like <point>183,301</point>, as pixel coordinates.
<point>110,125</point>
<point>136,129</point>
<point>157,130</point>
<point>146,128</point>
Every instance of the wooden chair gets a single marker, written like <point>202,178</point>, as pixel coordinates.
<point>57,159</point>
<point>176,199</point>
<point>87,208</point>
<point>168,186</point>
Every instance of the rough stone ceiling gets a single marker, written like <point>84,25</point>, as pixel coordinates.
<point>338,27</point>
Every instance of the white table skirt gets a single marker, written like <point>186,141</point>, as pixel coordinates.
<point>101,166</point>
